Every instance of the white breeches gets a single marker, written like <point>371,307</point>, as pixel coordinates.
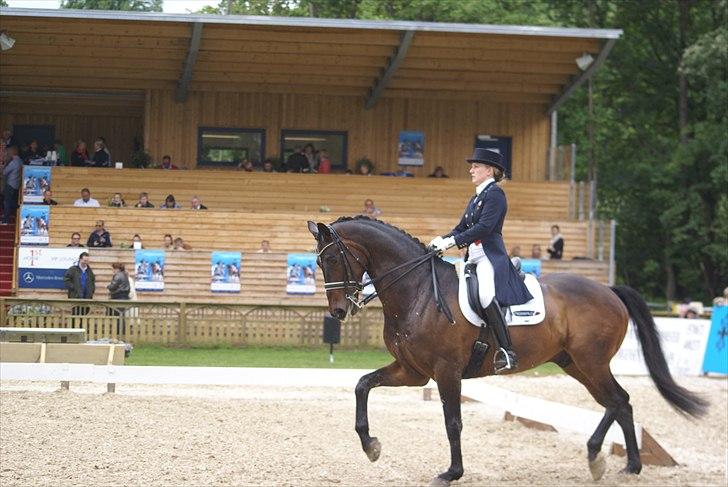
<point>486,276</point>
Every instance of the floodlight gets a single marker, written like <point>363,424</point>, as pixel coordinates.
<point>584,61</point>
<point>6,42</point>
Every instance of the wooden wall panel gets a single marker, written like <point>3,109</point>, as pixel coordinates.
<point>450,127</point>
<point>117,121</point>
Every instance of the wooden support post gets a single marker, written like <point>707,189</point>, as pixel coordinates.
<point>528,423</point>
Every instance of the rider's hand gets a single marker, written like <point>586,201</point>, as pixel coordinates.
<point>435,242</point>
<point>443,244</point>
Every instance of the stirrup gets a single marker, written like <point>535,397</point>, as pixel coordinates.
<point>511,361</point>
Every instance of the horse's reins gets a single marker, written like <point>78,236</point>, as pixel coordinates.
<point>442,305</point>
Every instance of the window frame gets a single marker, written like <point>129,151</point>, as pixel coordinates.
<point>245,130</point>
<point>345,146</point>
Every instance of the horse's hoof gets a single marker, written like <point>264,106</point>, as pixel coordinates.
<point>631,470</point>
<point>598,466</point>
<point>373,450</point>
<point>439,482</point>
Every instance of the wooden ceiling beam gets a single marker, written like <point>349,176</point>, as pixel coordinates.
<point>494,97</point>
<point>98,72</point>
<point>405,84</point>
<point>96,28</point>
<point>326,80</point>
<point>87,61</point>
<point>493,54</point>
<point>84,82</point>
<point>506,42</point>
<point>325,70</point>
<point>183,83</point>
<point>245,33</point>
<point>282,89</point>
<point>107,53</point>
<point>428,74</point>
<point>489,66</point>
<point>294,60</point>
<point>393,63</point>
<point>83,41</point>
<point>298,48</point>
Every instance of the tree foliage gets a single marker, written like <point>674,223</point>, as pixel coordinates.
<point>136,5</point>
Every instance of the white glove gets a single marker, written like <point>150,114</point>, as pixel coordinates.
<point>443,244</point>
<point>435,242</point>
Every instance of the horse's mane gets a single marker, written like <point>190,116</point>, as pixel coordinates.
<point>366,219</point>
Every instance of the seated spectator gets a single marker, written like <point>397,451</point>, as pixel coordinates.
<point>196,204</point>
<point>99,237</point>
<point>33,152</point>
<point>100,157</point>
<point>75,240</point>
<point>536,251</point>
<point>168,242</point>
<point>169,202</point>
<point>364,167</point>
<point>79,156</point>
<point>324,166</point>
<point>48,198</point>
<point>143,201</point>
<point>439,172</point>
<point>691,314</point>
<point>297,161</point>
<point>180,244</point>
<point>515,252</point>
<point>8,139</point>
<point>106,147</point>
<point>136,242</point>
<point>117,201</point>
<point>310,153</point>
<point>60,149</point>
<point>264,247</point>
<point>86,199</point>
<point>556,247</point>
<point>167,163</point>
<point>268,166</point>
<point>246,166</point>
<point>370,210</point>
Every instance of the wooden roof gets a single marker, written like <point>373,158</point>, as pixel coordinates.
<point>127,51</point>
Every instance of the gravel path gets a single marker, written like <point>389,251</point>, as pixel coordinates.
<point>189,436</point>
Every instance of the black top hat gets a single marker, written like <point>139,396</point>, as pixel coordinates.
<point>489,157</point>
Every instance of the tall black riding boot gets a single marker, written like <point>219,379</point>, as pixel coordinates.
<point>505,359</point>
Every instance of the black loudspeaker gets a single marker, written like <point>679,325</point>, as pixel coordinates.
<point>332,330</point>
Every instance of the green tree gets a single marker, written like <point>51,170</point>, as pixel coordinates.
<point>136,5</point>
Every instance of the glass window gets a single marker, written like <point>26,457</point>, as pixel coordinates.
<point>323,142</point>
<point>230,147</point>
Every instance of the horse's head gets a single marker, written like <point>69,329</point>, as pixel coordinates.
<point>342,263</point>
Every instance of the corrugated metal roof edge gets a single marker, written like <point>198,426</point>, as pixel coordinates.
<point>522,30</point>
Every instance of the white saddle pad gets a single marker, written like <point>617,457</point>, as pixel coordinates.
<point>530,313</point>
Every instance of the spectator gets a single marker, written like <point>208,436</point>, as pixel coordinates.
<point>119,285</point>
<point>99,237</point>
<point>143,201</point>
<point>196,204</point>
<point>33,152</point>
<point>324,166</point>
<point>268,166</point>
<point>310,152</point>
<point>264,247</point>
<point>246,166</point>
<point>79,280</point>
<point>106,147</point>
<point>86,200</point>
<point>515,251</point>
<point>536,251</point>
<point>79,156</point>
<point>168,242</point>
<point>721,300</point>
<point>136,242</point>
<point>167,163</point>
<point>370,210</point>
<point>117,201</point>
<point>180,244</point>
<point>439,172</point>
<point>12,174</point>
<point>8,139</point>
<point>297,161</point>
<point>75,240</point>
<point>100,157</point>
<point>691,314</point>
<point>556,247</point>
<point>169,202</point>
<point>48,198</point>
<point>61,152</point>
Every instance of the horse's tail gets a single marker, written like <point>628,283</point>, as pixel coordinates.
<point>679,397</point>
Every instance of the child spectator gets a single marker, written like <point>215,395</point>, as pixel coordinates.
<point>264,247</point>
<point>370,210</point>
<point>196,204</point>
<point>48,198</point>
<point>324,166</point>
<point>75,240</point>
<point>246,166</point>
<point>268,166</point>
<point>536,251</point>
<point>99,237</point>
<point>180,244</point>
<point>117,201</point>
<point>167,163</point>
<point>556,247</point>
<point>169,202</point>
<point>168,242</point>
<point>439,172</point>
<point>86,199</point>
<point>143,201</point>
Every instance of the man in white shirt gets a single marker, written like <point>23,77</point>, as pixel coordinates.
<point>86,199</point>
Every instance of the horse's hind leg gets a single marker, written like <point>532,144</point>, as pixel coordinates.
<point>391,375</point>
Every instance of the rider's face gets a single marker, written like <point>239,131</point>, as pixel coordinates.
<point>480,172</point>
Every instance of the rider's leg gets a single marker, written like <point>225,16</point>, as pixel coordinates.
<point>505,358</point>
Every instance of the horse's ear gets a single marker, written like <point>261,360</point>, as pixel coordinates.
<point>313,229</point>
<point>323,230</point>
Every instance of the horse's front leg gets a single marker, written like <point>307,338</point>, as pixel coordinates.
<point>448,385</point>
<point>392,375</point>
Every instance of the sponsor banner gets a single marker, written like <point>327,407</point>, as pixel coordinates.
<point>149,270</point>
<point>531,266</point>
<point>411,148</point>
<point>225,272</point>
<point>43,268</point>
<point>301,274</point>
<point>683,343</point>
<point>35,181</point>
<point>716,352</point>
<point>34,221</point>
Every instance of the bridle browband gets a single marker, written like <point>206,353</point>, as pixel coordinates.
<point>351,283</point>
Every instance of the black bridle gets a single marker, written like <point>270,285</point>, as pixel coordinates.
<point>353,287</point>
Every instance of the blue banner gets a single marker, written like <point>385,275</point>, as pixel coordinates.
<point>531,266</point>
<point>301,274</point>
<point>35,181</point>
<point>149,270</point>
<point>716,352</point>
<point>34,221</point>
<point>225,272</point>
<point>44,268</point>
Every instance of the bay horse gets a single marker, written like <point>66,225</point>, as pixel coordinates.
<point>584,327</point>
